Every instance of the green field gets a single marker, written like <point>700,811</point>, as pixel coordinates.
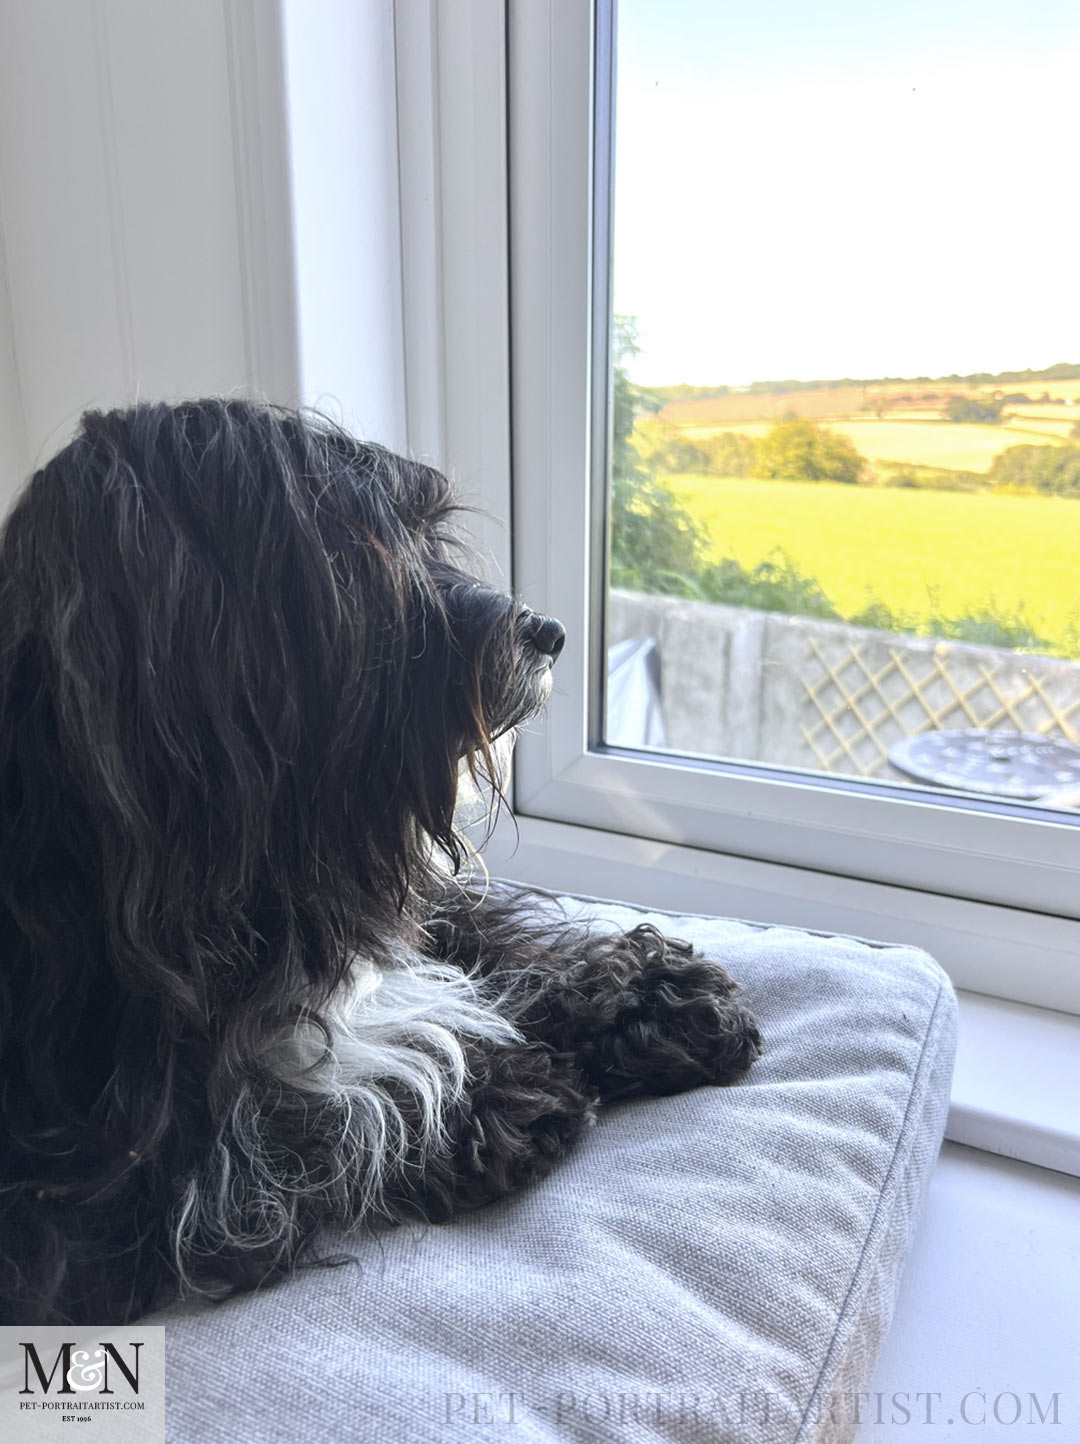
<point>1018,553</point>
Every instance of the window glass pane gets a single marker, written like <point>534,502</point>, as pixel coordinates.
<point>845,467</point>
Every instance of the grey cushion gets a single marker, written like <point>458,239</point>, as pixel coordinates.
<point>716,1266</point>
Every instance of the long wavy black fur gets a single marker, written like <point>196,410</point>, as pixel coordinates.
<point>244,666</point>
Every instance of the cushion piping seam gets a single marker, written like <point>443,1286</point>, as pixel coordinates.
<point>554,896</point>
<point>905,1136</point>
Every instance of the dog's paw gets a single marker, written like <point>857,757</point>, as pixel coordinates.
<point>525,1108</point>
<point>677,1022</point>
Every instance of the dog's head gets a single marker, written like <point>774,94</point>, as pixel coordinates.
<point>244,663</point>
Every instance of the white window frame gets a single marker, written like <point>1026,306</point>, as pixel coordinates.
<point>993,896</point>
<point>962,848</point>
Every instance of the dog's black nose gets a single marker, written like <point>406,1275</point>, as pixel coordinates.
<point>545,633</point>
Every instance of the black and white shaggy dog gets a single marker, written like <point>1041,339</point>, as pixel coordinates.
<point>244,989</point>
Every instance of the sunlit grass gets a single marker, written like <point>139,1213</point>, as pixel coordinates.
<point>917,551</point>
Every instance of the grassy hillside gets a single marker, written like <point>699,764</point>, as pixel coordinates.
<point>1018,553</point>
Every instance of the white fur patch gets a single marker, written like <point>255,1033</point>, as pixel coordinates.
<point>391,1033</point>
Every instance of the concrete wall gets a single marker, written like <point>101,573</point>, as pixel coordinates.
<point>760,685</point>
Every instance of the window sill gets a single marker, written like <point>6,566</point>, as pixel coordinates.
<point>1018,1066</point>
<point>1016,1082</point>
<point>986,1309</point>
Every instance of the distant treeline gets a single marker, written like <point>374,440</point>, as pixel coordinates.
<point>796,449</point>
<point>1061,371</point>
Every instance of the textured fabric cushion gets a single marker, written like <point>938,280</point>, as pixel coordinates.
<point>718,1266</point>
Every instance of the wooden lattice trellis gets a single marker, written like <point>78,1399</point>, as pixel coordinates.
<point>857,708</point>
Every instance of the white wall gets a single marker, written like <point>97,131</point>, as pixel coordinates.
<point>186,210</point>
<point>122,211</point>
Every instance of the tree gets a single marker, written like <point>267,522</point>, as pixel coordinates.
<point>800,450</point>
<point>1054,469</point>
<point>663,449</point>
<point>774,585</point>
<point>656,546</point>
<point>729,453</point>
<point>967,408</point>
<point>624,399</point>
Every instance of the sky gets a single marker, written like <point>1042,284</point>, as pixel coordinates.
<point>824,188</point>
